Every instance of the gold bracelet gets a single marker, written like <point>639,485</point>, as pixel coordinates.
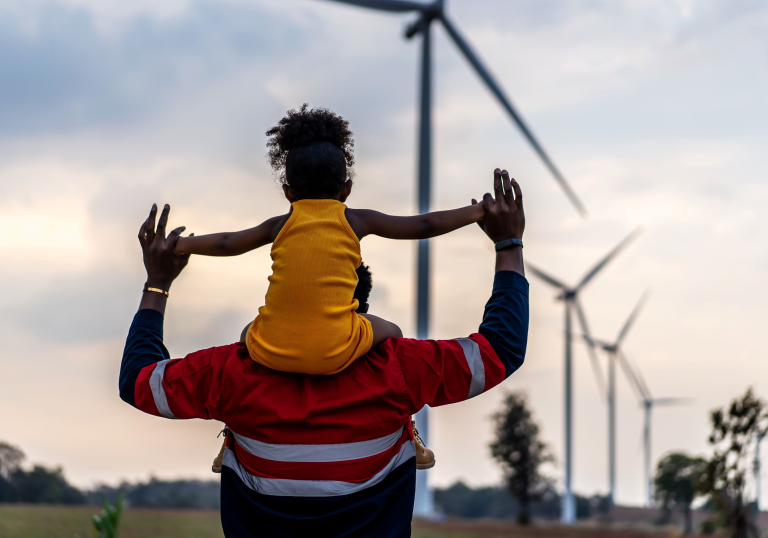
<point>156,290</point>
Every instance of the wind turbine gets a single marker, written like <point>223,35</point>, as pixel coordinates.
<point>612,350</point>
<point>570,296</point>
<point>427,14</point>
<point>759,436</point>
<point>647,402</point>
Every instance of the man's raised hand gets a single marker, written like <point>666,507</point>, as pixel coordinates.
<point>163,265</point>
<point>504,216</point>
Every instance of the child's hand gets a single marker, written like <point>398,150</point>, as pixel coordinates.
<point>480,220</point>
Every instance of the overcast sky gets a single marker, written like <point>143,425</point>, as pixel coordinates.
<point>655,111</point>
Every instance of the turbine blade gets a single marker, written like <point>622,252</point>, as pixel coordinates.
<point>474,60</point>
<point>638,375</point>
<point>612,254</point>
<point>634,381</point>
<point>394,6</point>
<point>591,347</point>
<point>596,341</point>
<point>632,317</point>
<point>672,401</point>
<point>545,277</point>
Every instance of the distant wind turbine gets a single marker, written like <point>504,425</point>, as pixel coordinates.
<point>759,436</point>
<point>427,14</point>
<point>647,402</point>
<point>612,349</point>
<point>570,296</point>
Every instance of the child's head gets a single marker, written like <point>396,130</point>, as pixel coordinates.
<point>311,151</point>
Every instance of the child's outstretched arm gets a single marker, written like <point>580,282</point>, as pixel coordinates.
<point>232,243</point>
<point>368,222</point>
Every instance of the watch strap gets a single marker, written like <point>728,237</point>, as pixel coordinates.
<point>509,243</point>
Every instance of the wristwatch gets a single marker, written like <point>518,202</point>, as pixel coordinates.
<point>509,243</point>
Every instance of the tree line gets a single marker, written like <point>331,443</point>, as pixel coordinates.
<point>43,485</point>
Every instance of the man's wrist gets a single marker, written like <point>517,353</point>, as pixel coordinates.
<point>510,259</point>
<point>158,284</point>
<point>153,300</point>
<point>511,242</point>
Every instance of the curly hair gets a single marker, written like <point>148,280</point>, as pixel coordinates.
<point>364,286</point>
<point>310,150</point>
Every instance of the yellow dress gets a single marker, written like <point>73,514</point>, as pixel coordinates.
<point>308,323</point>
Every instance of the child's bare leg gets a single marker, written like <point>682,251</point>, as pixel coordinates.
<point>382,329</point>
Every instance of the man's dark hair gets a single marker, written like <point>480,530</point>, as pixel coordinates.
<point>364,286</point>
<point>311,151</point>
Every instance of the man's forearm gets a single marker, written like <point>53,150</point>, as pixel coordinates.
<point>510,259</point>
<point>505,320</point>
<point>143,347</point>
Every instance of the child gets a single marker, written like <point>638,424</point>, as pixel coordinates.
<point>309,322</point>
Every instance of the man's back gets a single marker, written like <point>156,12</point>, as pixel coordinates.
<point>301,446</point>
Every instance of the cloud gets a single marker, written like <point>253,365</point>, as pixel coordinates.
<point>61,74</point>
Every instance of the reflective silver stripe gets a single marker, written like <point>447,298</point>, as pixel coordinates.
<point>318,453</point>
<point>476,366</point>
<point>281,487</point>
<point>158,392</point>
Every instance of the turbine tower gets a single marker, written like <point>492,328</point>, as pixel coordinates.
<point>570,296</point>
<point>427,13</point>
<point>612,350</point>
<point>647,402</point>
<point>756,469</point>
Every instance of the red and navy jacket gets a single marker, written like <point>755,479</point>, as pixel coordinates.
<point>323,455</point>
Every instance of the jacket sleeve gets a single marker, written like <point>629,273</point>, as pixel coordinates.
<point>441,372</point>
<point>172,388</point>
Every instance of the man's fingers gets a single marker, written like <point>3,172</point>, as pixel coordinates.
<point>143,233</point>
<point>518,193</point>
<point>497,185</point>
<point>149,229</point>
<point>507,188</point>
<point>174,235</point>
<point>163,221</point>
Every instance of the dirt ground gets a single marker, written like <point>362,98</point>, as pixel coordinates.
<point>454,528</point>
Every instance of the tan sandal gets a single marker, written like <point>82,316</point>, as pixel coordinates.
<point>425,458</point>
<point>218,462</point>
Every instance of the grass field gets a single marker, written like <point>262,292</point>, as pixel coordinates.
<point>23,521</point>
<point>75,522</point>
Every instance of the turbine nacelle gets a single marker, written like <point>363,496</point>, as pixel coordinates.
<point>566,295</point>
<point>429,13</point>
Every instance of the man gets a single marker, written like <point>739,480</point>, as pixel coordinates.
<point>325,455</point>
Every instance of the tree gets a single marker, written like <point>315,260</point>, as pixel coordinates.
<point>726,473</point>
<point>678,481</point>
<point>10,459</point>
<point>47,486</point>
<point>520,452</point>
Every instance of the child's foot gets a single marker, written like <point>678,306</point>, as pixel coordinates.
<point>218,462</point>
<point>425,458</point>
